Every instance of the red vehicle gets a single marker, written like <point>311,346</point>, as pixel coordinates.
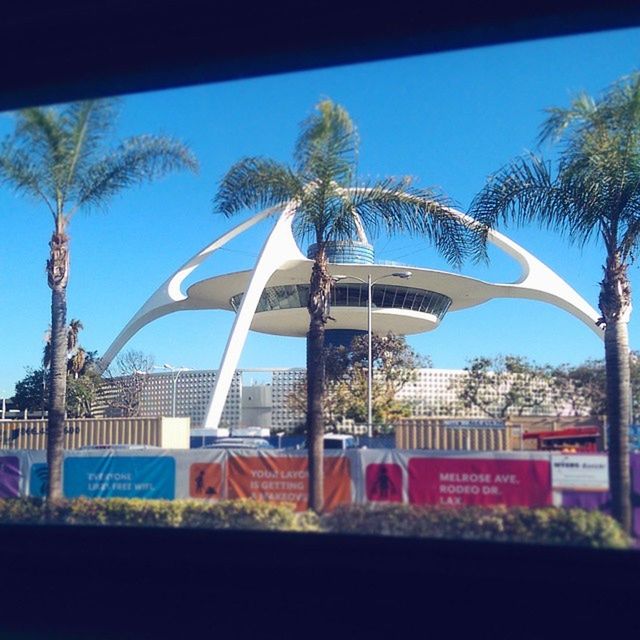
<point>571,439</point>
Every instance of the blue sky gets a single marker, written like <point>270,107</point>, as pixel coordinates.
<point>448,119</point>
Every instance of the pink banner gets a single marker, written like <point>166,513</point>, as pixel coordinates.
<point>467,481</point>
<point>383,482</point>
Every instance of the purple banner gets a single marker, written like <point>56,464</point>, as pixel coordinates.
<point>589,500</point>
<point>9,477</point>
<point>602,501</point>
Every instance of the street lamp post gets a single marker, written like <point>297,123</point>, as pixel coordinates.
<point>370,283</point>
<point>175,371</point>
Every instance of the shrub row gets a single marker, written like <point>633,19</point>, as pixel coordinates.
<point>540,526</point>
<point>228,514</point>
<point>549,525</point>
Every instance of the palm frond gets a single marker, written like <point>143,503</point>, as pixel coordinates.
<point>524,192</point>
<point>40,134</point>
<point>559,120</point>
<point>136,160</point>
<point>255,182</point>
<point>18,171</point>
<point>86,124</point>
<point>392,206</point>
<point>327,146</point>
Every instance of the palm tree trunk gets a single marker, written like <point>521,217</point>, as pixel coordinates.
<point>615,304</point>
<point>58,273</point>
<point>616,346</point>
<point>319,291</point>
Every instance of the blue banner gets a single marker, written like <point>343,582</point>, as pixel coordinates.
<point>39,480</point>
<point>120,477</point>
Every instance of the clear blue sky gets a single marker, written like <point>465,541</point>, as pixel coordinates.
<point>448,119</point>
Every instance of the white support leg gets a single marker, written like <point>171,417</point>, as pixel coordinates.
<point>279,248</point>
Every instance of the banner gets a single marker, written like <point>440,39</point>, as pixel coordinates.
<point>480,481</point>
<point>39,480</point>
<point>286,479</point>
<point>635,492</point>
<point>9,477</point>
<point>580,472</point>
<point>205,480</point>
<point>383,482</point>
<point>590,500</point>
<point>120,477</point>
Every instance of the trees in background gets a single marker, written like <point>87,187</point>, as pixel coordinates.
<point>83,379</point>
<point>512,385</point>
<point>394,362</point>
<point>503,386</point>
<point>124,387</point>
<point>59,156</point>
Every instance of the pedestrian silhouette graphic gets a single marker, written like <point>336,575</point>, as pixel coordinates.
<point>200,482</point>
<point>383,485</point>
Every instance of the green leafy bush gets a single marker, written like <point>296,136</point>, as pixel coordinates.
<point>228,514</point>
<point>245,514</point>
<point>23,511</point>
<point>549,525</point>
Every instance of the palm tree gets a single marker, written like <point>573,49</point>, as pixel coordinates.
<point>75,327</point>
<point>594,196</point>
<point>331,205</point>
<point>58,156</point>
<point>76,355</point>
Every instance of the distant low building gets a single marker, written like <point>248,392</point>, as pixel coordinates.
<point>431,394</point>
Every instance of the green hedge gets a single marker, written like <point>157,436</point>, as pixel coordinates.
<point>549,525</point>
<point>540,526</point>
<point>226,514</point>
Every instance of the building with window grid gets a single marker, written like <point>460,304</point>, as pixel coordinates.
<point>432,393</point>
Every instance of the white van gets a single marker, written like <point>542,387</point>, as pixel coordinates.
<point>339,441</point>
<point>199,438</point>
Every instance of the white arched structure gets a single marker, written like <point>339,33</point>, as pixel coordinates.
<point>280,263</point>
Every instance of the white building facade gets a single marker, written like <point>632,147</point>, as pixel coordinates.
<point>433,393</point>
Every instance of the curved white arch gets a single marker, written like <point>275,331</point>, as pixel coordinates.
<point>537,281</point>
<point>168,297</point>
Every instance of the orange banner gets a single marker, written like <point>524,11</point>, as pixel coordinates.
<point>205,480</point>
<point>286,479</point>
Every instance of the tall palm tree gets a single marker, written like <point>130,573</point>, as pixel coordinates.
<point>58,155</point>
<point>594,196</point>
<point>332,205</point>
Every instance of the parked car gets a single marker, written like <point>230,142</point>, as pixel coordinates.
<point>337,441</point>
<point>239,443</point>
<point>199,438</point>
